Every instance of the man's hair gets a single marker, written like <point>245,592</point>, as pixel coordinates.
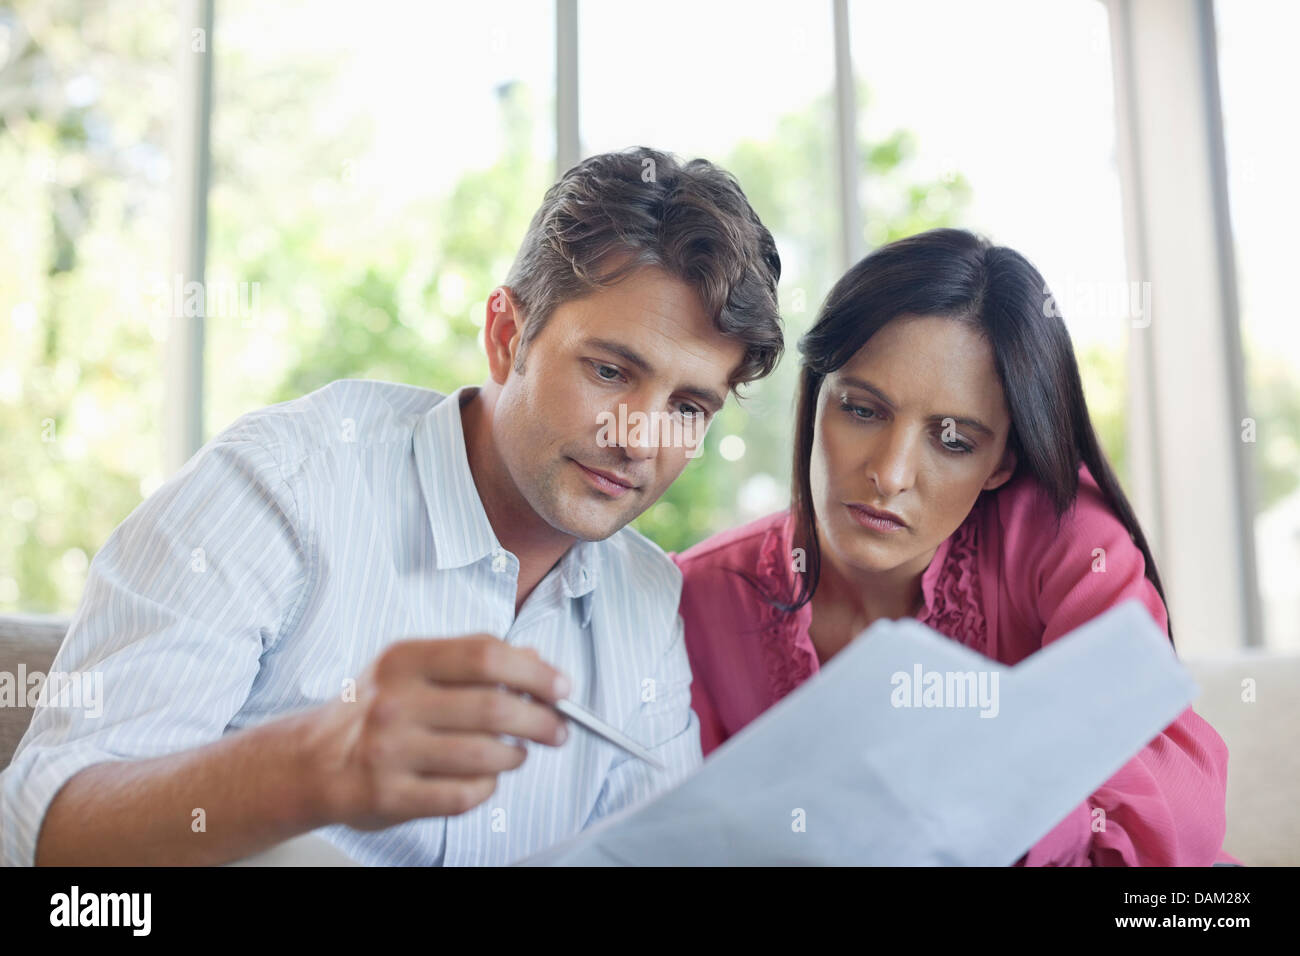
<point>617,212</point>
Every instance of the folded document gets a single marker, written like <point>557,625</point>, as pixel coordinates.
<point>909,749</point>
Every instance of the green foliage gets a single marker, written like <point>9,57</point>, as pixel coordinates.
<point>85,94</point>
<point>347,289</point>
<point>1274,403</point>
<point>790,180</point>
<point>1103,373</point>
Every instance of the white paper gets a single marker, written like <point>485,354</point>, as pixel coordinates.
<point>879,784</point>
<point>308,849</point>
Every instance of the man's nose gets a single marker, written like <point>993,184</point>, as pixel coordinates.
<point>645,432</point>
<point>635,426</point>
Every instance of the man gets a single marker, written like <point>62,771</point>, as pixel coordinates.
<point>349,612</point>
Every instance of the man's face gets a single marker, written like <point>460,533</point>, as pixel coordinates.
<point>645,344</point>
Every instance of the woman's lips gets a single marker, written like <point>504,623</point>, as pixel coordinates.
<point>873,519</point>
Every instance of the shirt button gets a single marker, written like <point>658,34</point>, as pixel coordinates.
<point>499,561</point>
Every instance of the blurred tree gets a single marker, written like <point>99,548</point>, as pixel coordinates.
<point>789,180</point>
<point>370,332</point>
<point>85,99</point>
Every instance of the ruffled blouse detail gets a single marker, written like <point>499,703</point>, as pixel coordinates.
<point>953,598</point>
<point>950,586</point>
<point>789,660</point>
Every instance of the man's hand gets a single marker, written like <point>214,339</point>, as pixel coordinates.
<point>422,739</point>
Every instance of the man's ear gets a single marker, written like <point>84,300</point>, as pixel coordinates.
<point>502,328</point>
<point>1006,468</point>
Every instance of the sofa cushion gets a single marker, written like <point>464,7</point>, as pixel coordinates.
<point>27,644</point>
<point>1252,698</point>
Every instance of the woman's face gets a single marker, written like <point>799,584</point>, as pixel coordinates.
<point>914,424</point>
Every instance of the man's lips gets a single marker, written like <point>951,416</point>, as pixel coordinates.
<point>609,476</point>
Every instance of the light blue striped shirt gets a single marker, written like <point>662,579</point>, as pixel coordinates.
<point>296,545</point>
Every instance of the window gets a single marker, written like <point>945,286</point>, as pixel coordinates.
<point>370,180</point>
<point>759,105</point>
<point>84,138</point>
<point>1010,107</point>
<point>370,184</point>
<point>1261,138</point>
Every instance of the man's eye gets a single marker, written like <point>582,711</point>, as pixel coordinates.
<point>690,411</point>
<point>601,369</point>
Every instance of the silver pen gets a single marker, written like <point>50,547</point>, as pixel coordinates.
<point>585,718</point>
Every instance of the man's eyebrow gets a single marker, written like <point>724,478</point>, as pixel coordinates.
<point>705,396</point>
<point>974,423</point>
<point>628,355</point>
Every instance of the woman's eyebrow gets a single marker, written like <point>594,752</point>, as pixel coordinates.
<point>974,423</point>
<point>867,387</point>
<point>966,420</point>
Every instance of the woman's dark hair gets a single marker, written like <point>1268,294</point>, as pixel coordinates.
<point>954,273</point>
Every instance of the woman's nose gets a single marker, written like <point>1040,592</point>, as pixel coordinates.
<point>891,466</point>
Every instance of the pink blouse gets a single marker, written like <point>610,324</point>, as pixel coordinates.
<point>1005,584</point>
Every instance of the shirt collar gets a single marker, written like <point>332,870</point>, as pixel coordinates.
<point>579,572</point>
<point>462,533</point>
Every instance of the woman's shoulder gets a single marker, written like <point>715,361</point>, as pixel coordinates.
<point>741,547</point>
<point>735,569</point>
<point>1028,519</point>
<point>1065,570</point>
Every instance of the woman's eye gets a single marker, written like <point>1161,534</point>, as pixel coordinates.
<point>956,447</point>
<point>867,414</point>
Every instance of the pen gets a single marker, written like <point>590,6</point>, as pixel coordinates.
<point>585,718</point>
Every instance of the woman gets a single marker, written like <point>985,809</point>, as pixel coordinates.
<point>945,468</point>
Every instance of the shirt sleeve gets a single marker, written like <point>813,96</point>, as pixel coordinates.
<point>667,727</point>
<point>1166,806</point>
<point>179,605</point>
